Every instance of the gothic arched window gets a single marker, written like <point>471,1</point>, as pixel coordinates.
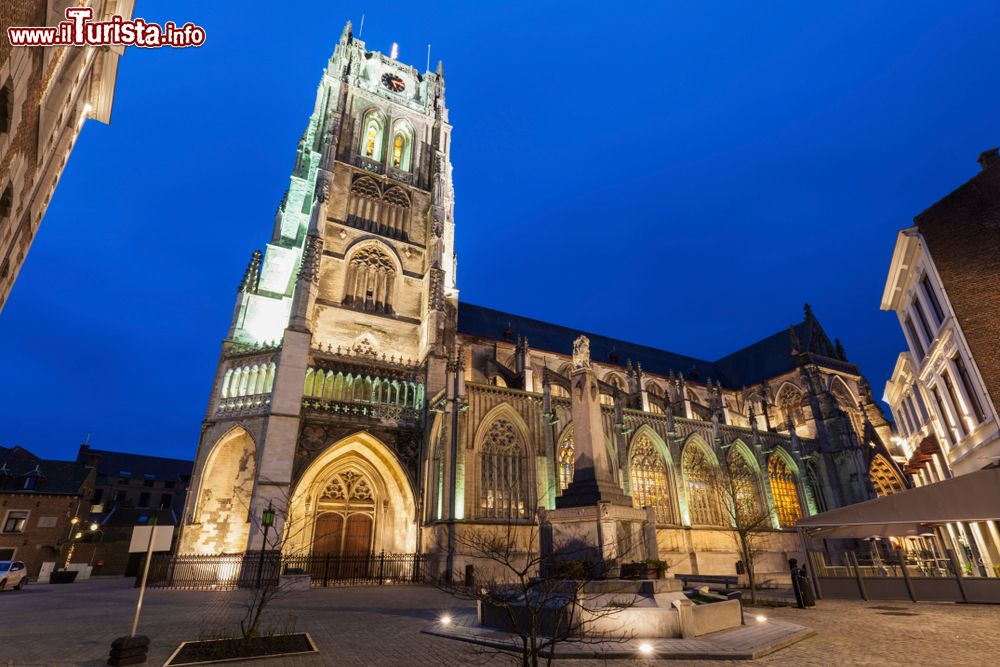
<point>371,280</point>
<point>503,487</point>
<point>814,482</point>
<point>650,481</point>
<point>743,491</point>
<point>566,460</point>
<point>700,480</point>
<point>654,395</point>
<point>789,402</point>
<point>849,404</point>
<point>401,148</point>
<point>884,478</point>
<point>371,137</point>
<point>784,490</point>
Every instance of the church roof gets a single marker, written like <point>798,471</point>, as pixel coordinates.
<point>114,464</point>
<point>764,359</point>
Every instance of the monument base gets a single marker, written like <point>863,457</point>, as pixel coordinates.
<point>605,535</point>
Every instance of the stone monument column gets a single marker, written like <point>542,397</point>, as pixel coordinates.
<point>594,519</point>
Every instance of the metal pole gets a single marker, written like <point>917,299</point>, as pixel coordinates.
<point>260,564</point>
<point>145,575</point>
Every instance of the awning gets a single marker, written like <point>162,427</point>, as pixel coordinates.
<point>972,497</point>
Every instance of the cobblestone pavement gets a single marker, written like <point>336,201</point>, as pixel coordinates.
<point>74,625</point>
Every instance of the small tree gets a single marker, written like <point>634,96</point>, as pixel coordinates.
<point>543,612</point>
<point>745,511</point>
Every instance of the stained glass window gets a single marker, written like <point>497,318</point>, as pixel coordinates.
<point>650,482</point>
<point>700,482</point>
<point>743,490</point>
<point>566,461</point>
<point>784,490</point>
<point>884,478</point>
<point>503,491</point>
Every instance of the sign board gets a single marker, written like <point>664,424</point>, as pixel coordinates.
<point>162,537</point>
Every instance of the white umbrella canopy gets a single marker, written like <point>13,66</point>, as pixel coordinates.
<point>972,497</point>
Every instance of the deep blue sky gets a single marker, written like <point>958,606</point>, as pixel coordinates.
<point>685,176</point>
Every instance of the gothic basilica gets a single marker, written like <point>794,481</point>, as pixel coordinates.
<point>358,397</point>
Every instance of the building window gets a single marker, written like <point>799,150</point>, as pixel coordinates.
<point>503,491</point>
<point>884,478</point>
<point>371,281</point>
<point>15,521</point>
<point>945,420</point>
<point>567,457</point>
<point>918,347</point>
<point>789,401</point>
<point>908,404</point>
<point>932,299</point>
<point>169,485</point>
<point>144,499</point>
<point>700,481</point>
<point>966,380</point>
<point>120,496</point>
<point>6,107</point>
<point>924,324</point>
<point>650,482</point>
<point>743,492</point>
<point>147,482</point>
<point>785,492</point>
<point>371,139</point>
<point>814,480</point>
<point>948,385</point>
<point>920,404</point>
<point>401,149</point>
<point>123,481</point>
<point>166,500</point>
<point>98,495</point>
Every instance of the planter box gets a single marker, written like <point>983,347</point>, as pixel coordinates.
<point>63,577</point>
<point>215,651</point>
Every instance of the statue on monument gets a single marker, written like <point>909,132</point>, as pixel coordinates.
<point>581,352</point>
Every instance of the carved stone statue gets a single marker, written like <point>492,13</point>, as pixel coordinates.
<point>581,352</point>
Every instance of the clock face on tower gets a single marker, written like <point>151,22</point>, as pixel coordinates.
<point>393,82</point>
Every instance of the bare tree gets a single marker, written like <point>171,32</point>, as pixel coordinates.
<point>542,611</point>
<point>745,511</point>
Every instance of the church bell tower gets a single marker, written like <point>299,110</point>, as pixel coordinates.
<point>343,324</point>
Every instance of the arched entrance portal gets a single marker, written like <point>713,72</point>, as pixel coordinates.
<point>353,499</point>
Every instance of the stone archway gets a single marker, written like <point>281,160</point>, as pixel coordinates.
<point>353,498</point>
<point>220,522</point>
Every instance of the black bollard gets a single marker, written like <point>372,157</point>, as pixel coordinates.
<point>129,650</point>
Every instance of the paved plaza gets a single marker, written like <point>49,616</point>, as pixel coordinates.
<point>74,625</point>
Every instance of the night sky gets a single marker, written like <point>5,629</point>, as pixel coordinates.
<point>684,176</point>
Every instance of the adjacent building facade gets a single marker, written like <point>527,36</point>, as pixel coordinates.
<point>357,395</point>
<point>944,286</point>
<point>42,505</point>
<point>46,94</point>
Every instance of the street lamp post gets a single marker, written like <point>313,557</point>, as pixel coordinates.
<point>266,520</point>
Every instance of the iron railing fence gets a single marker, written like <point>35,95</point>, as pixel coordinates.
<point>249,570</point>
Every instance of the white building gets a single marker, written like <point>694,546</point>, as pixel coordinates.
<point>942,286</point>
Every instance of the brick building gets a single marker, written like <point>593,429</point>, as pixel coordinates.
<point>46,94</point>
<point>39,500</point>
<point>944,286</point>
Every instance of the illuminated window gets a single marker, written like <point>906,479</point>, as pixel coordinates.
<point>743,491</point>
<point>371,139</point>
<point>503,489</point>
<point>650,483</point>
<point>566,461</point>
<point>371,280</point>
<point>784,490</point>
<point>655,397</point>
<point>884,478</point>
<point>700,477</point>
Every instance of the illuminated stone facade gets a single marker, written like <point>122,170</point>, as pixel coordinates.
<point>46,94</point>
<point>378,413</point>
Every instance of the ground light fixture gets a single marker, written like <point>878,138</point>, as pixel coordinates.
<point>645,649</point>
<point>446,620</point>
<point>761,618</point>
